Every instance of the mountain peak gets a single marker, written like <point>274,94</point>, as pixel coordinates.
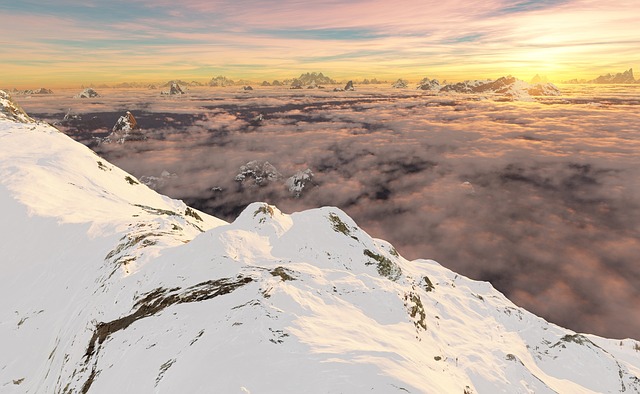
<point>619,78</point>
<point>10,110</point>
<point>87,93</point>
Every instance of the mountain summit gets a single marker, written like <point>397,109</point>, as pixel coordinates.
<point>619,78</point>
<point>110,287</point>
<point>10,110</point>
<point>504,88</point>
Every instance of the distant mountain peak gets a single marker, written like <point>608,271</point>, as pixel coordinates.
<point>125,129</point>
<point>400,84</point>
<point>87,93</point>
<point>174,90</point>
<point>504,88</point>
<point>312,79</point>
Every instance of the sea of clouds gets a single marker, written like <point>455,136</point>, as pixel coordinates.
<point>541,199</point>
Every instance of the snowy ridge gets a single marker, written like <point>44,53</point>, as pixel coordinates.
<point>10,110</point>
<point>504,88</point>
<point>109,287</point>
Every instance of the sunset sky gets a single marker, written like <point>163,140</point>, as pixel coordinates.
<point>57,43</point>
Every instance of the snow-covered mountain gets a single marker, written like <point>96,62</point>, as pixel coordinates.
<point>400,84</point>
<point>34,91</point>
<point>257,173</point>
<point>623,77</point>
<point>174,90</point>
<point>504,88</point>
<point>221,81</point>
<point>312,79</point>
<point>299,181</point>
<point>125,129</point>
<point>109,287</point>
<point>87,93</point>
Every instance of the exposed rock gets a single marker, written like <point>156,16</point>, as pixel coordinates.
<point>126,122</point>
<point>9,109</point>
<point>429,84</point>
<point>247,87</point>
<point>623,77</point>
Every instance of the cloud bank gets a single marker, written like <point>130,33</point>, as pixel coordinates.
<point>540,198</point>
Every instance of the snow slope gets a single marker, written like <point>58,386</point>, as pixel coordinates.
<point>109,287</point>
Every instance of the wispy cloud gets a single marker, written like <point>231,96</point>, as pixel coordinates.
<point>450,40</point>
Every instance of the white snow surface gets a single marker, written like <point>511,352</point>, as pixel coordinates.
<point>109,287</point>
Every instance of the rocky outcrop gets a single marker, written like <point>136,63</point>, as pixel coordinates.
<point>221,81</point>
<point>125,129</point>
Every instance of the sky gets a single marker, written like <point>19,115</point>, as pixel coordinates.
<point>65,43</point>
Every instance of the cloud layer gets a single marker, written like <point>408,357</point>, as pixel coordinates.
<point>541,199</point>
<point>71,42</point>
